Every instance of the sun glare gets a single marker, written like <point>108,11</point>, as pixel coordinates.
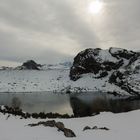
<point>95,7</point>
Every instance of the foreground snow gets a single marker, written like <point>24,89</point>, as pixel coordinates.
<point>124,126</point>
<point>55,80</point>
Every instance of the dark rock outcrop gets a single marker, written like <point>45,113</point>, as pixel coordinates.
<point>99,61</point>
<point>118,65</point>
<point>29,65</point>
<point>69,133</point>
<point>86,128</point>
<point>88,61</point>
<point>52,123</point>
<point>120,79</point>
<point>104,128</point>
<point>122,53</point>
<point>95,128</point>
<point>60,126</point>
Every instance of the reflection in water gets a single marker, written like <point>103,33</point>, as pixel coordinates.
<point>99,103</point>
<point>78,104</point>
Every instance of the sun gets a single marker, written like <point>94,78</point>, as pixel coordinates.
<point>95,7</point>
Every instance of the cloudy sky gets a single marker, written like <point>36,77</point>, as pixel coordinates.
<point>50,31</point>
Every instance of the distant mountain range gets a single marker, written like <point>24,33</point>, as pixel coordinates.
<point>32,65</point>
<point>64,65</point>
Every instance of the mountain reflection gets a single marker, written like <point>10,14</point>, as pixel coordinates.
<point>82,107</point>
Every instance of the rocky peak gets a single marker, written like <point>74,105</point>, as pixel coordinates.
<point>98,61</point>
<point>30,65</point>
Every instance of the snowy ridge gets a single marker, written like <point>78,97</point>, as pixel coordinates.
<point>116,66</point>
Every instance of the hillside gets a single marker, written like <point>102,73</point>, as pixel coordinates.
<point>119,67</point>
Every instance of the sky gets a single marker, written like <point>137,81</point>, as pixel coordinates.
<point>52,31</point>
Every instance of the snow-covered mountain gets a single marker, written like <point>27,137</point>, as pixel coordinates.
<point>119,67</point>
<point>115,71</point>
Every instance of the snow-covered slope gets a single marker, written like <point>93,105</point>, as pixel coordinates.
<point>114,70</point>
<point>52,80</point>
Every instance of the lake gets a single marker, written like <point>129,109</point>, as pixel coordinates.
<point>84,104</point>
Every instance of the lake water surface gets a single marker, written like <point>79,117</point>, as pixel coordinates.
<point>84,104</point>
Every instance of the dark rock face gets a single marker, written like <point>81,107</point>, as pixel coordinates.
<point>109,63</point>
<point>120,79</point>
<point>122,53</point>
<point>95,61</point>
